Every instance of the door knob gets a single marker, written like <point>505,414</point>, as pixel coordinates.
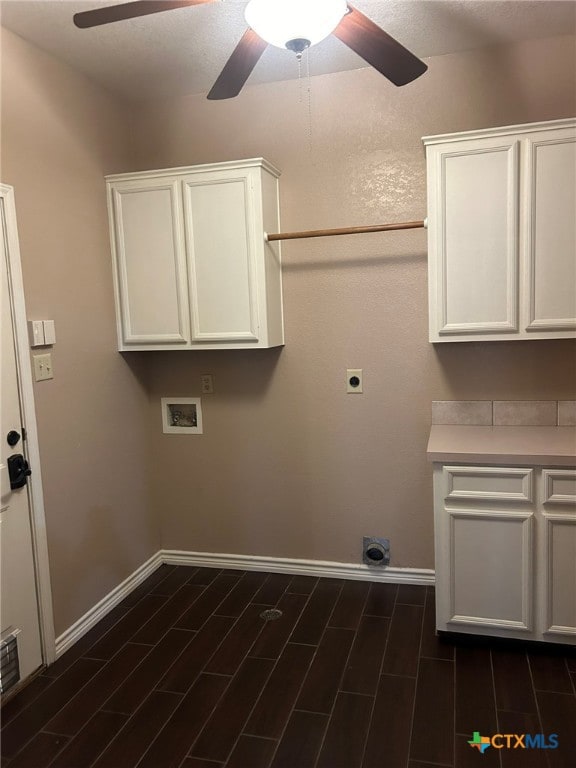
<point>18,470</point>
<point>12,438</point>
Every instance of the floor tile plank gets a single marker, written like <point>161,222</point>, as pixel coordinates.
<point>180,575</point>
<point>204,576</point>
<point>391,723</point>
<point>208,601</point>
<point>549,672</point>
<point>344,742</point>
<point>273,708</point>
<point>194,658</point>
<point>514,692</point>
<point>178,735</point>
<point>135,688</point>
<point>302,585</point>
<point>475,697</point>
<point>432,645</point>
<point>350,604</point>
<point>301,742</point>
<point>251,752</point>
<point>91,741</point>
<point>134,739</point>
<point>126,628</point>
<point>237,642</point>
<point>275,634</point>
<point>24,698</point>
<point>40,752</point>
<point>167,616</point>
<point>411,594</point>
<point>470,757</point>
<point>23,727</point>
<point>403,647</point>
<point>218,737</point>
<point>520,722</point>
<point>272,589</point>
<point>315,615</point>
<point>433,729</point>
<point>148,585</point>
<point>558,713</point>
<point>82,646</point>
<point>84,704</point>
<point>381,600</point>
<point>363,668</point>
<point>323,679</point>
<point>238,598</point>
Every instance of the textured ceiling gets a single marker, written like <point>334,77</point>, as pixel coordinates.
<point>182,51</point>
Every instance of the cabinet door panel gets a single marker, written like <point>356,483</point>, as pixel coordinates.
<point>491,569</point>
<point>221,261</point>
<point>150,263</point>
<point>476,238</point>
<point>560,568</point>
<point>550,203</point>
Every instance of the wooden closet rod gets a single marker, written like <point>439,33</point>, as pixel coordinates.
<point>345,231</point>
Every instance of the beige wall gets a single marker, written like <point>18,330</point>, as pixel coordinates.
<point>60,135</point>
<point>290,465</point>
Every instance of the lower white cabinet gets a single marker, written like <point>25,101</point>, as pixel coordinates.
<point>192,267</point>
<point>505,542</point>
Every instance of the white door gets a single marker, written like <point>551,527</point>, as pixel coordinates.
<point>19,602</point>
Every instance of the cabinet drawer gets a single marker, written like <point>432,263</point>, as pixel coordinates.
<point>488,483</point>
<point>559,486</point>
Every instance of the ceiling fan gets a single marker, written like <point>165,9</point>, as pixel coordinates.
<point>291,24</point>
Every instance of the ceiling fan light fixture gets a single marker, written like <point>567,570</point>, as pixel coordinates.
<point>279,22</point>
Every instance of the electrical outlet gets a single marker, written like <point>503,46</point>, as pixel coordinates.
<point>43,367</point>
<point>207,381</point>
<point>354,381</point>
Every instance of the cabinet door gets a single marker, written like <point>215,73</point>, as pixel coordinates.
<point>560,575</point>
<point>220,242</point>
<point>148,250</point>
<point>549,246</point>
<point>473,237</point>
<point>490,569</point>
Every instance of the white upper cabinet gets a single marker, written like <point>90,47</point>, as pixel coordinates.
<point>191,265</point>
<point>502,233</point>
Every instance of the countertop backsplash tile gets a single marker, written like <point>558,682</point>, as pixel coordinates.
<point>525,413</point>
<point>567,413</point>
<point>471,413</point>
<point>504,413</point>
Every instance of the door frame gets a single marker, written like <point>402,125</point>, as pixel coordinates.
<point>36,496</point>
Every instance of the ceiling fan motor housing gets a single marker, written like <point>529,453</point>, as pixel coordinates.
<point>298,45</point>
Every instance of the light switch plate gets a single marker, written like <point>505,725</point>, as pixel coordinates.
<point>49,332</point>
<point>207,381</point>
<point>43,367</point>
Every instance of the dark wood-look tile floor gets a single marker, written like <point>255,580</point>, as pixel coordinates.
<point>186,674</point>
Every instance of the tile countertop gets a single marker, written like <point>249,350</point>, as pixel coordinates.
<point>548,446</point>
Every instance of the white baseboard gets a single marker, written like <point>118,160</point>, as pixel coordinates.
<point>357,571</point>
<point>293,566</point>
<point>67,639</point>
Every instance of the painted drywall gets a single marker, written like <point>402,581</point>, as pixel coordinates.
<point>289,464</point>
<point>60,135</point>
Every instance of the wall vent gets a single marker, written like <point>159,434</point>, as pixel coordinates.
<point>376,551</point>
<point>9,662</point>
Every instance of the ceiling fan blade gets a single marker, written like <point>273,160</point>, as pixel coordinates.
<point>378,48</point>
<point>110,13</point>
<point>239,66</point>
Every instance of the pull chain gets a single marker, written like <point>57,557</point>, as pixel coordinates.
<point>309,89</point>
